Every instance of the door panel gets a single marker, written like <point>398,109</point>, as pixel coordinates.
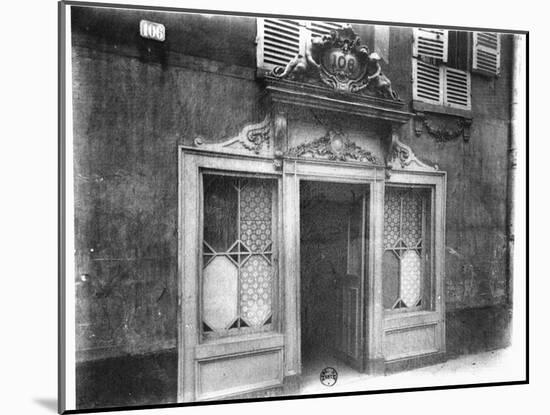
<point>350,287</point>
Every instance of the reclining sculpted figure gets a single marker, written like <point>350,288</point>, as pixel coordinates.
<point>300,64</point>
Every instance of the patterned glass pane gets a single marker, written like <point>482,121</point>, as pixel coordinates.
<point>256,288</point>
<point>412,219</point>
<point>405,215</point>
<point>256,214</point>
<point>392,214</point>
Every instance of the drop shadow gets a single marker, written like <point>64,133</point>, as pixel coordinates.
<point>47,403</point>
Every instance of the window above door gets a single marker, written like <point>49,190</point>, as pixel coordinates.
<point>486,53</point>
<point>442,64</point>
<point>280,40</point>
<point>434,80</point>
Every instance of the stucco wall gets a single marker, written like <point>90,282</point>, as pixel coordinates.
<point>135,100</point>
<point>133,105</point>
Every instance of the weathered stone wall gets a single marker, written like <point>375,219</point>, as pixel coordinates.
<point>136,100</point>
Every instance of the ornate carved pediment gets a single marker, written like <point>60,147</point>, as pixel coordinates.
<point>256,139</point>
<point>340,61</point>
<point>333,146</point>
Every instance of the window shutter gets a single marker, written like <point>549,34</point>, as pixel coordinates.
<point>431,43</point>
<point>427,82</point>
<point>278,42</point>
<point>457,88</point>
<point>318,29</point>
<point>486,53</point>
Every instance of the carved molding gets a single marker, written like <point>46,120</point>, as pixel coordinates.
<point>401,157</point>
<point>289,94</point>
<point>256,139</point>
<point>335,147</point>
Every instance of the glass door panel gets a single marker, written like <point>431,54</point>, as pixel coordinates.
<point>238,279</point>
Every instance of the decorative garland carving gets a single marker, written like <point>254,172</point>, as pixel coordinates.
<point>444,133</point>
<point>253,138</point>
<point>333,146</point>
<point>340,61</point>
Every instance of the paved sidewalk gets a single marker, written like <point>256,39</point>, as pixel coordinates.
<point>494,366</point>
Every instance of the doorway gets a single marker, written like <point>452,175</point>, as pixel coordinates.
<point>333,261</point>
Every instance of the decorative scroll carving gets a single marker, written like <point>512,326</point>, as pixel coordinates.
<point>333,146</point>
<point>401,157</point>
<point>253,138</point>
<point>340,61</point>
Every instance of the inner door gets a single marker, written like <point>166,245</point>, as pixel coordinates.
<point>350,285</point>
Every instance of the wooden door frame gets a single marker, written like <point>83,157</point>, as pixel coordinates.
<point>287,340</point>
<point>294,172</point>
<point>399,323</point>
<point>191,349</point>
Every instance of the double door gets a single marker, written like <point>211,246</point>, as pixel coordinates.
<point>239,319</point>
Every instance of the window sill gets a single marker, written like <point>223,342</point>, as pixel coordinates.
<point>418,106</point>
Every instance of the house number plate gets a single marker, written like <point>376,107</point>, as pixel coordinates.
<point>152,30</point>
<point>343,64</point>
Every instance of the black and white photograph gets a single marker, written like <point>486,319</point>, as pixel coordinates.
<point>274,207</point>
<point>262,206</point>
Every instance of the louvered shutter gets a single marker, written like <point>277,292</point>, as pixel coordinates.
<point>318,29</point>
<point>457,88</point>
<point>431,43</point>
<point>486,53</point>
<point>279,40</point>
<point>427,82</point>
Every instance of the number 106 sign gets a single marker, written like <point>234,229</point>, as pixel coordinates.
<point>151,30</point>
